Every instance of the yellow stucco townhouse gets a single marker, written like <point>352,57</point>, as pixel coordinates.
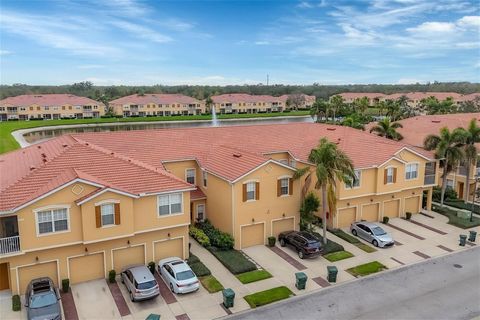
<point>111,199</point>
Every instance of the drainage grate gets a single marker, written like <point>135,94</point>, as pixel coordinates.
<point>459,266</point>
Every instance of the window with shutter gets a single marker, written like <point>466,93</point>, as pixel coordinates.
<point>108,214</point>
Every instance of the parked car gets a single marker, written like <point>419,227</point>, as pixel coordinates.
<point>140,283</point>
<point>372,233</point>
<point>306,244</point>
<point>178,275</point>
<point>42,300</point>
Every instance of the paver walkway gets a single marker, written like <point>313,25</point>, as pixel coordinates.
<point>68,304</point>
<point>287,258</point>
<point>165,292</point>
<point>118,298</point>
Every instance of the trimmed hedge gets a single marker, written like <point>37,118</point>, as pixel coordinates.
<point>200,236</point>
<point>233,260</point>
<point>345,236</point>
<point>454,220</point>
<point>460,204</point>
<point>16,303</point>
<point>219,239</point>
<point>197,266</point>
<point>330,247</point>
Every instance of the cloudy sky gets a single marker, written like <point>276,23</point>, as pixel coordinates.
<point>236,42</point>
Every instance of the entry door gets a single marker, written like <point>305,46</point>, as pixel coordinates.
<point>200,212</point>
<point>460,190</point>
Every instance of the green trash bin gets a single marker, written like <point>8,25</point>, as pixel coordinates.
<point>228,297</point>
<point>300,280</point>
<point>463,240</point>
<point>473,236</point>
<point>332,273</point>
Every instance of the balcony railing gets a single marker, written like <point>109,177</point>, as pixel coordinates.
<point>429,179</point>
<point>9,245</point>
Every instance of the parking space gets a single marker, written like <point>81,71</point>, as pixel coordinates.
<point>94,300</point>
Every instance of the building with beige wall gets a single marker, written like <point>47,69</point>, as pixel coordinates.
<point>157,104</point>
<point>247,103</point>
<point>117,198</point>
<point>416,129</point>
<point>49,107</point>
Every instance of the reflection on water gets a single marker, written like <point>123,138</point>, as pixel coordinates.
<point>39,136</point>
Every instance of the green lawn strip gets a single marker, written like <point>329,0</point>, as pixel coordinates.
<point>233,260</point>
<point>353,240</point>
<point>454,220</point>
<point>339,255</point>
<point>366,269</point>
<point>211,284</point>
<point>268,296</point>
<point>8,143</point>
<point>252,276</point>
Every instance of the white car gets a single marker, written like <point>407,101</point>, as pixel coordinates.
<point>178,275</point>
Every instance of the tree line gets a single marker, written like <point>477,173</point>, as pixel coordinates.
<point>107,93</point>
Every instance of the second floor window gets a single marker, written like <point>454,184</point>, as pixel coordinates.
<point>251,191</point>
<point>356,182</point>
<point>411,171</point>
<point>190,176</point>
<point>390,175</point>
<point>204,175</point>
<point>108,214</point>
<point>169,204</point>
<point>284,187</point>
<point>55,220</point>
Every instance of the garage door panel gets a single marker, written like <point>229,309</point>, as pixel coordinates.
<point>128,256</point>
<point>282,225</point>
<point>391,208</point>
<point>26,274</point>
<point>86,268</point>
<point>370,212</point>
<point>168,248</point>
<point>253,235</point>
<point>346,217</point>
<point>412,204</point>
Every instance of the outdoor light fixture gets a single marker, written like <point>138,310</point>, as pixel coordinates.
<point>283,215</point>
<point>348,203</point>
<point>253,220</point>
<point>393,196</point>
<point>413,192</point>
<point>36,258</point>
<point>128,242</point>
<point>86,249</point>
<point>371,200</point>
<point>168,234</point>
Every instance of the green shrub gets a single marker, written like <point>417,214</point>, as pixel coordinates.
<point>233,260</point>
<point>454,220</point>
<point>219,239</point>
<point>151,266</point>
<point>111,276</point>
<point>345,236</point>
<point>200,236</point>
<point>271,241</point>
<point>330,247</point>
<point>16,304</point>
<point>386,219</point>
<point>460,204</point>
<point>192,259</point>
<point>408,215</point>
<point>65,285</point>
<point>200,269</point>
<point>450,194</point>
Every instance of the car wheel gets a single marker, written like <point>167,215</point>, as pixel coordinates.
<point>300,254</point>
<point>171,287</point>
<point>375,243</point>
<point>354,232</point>
<point>282,242</point>
<point>132,298</point>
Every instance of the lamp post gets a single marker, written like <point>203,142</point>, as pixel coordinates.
<point>474,196</point>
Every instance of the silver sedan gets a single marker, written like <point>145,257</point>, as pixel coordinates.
<point>372,233</point>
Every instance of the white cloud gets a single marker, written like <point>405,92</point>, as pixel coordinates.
<point>90,66</point>
<point>262,43</point>
<point>429,28</point>
<point>305,5</point>
<point>5,52</point>
<point>410,81</point>
<point>141,31</point>
<point>469,21</point>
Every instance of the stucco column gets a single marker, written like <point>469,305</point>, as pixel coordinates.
<point>429,198</point>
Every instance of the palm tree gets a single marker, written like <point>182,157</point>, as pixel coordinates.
<point>331,165</point>
<point>353,121</point>
<point>318,109</point>
<point>448,148</point>
<point>472,136</point>
<point>393,109</point>
<point>336,103</point>
<point>361,104</point>
<point>208,103</point>
<point>386,128</point>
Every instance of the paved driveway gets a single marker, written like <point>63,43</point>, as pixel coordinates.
<point>94,300</point>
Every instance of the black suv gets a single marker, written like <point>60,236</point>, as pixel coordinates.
<point>306,244</point>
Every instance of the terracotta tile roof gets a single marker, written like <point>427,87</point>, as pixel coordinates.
<point>417,128</point>
<point>423,95</point>
<point>132,161</point>
<point>354,95</point>
<point>469,97</point>
<point>48,100</point>
<point>157,98</point>
<point>243,97</point>
<point>197,194</point>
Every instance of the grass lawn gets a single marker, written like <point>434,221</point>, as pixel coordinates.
<point>339,255</point>
<point>233,260</point>
<point>268,296</point>
<point>454,220</point>
<point>8,143</point>
<point>366,269</point>
<point>211,284</point>
<point>353,240</point>
<point>253,276</point>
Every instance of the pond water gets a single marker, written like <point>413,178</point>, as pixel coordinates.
<point>51,132</point>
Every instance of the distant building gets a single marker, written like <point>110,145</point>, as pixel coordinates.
<point>247,103</point>
<point>157,104</point>
<point>49,107</point>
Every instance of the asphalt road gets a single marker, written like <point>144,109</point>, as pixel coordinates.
<point>433,289</point>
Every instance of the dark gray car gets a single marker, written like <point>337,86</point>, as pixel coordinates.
<point>42,300</point>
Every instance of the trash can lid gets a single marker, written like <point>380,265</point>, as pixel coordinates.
<point>228,292</point>
<point>153,316</point>
<point>463,236</point>
<point>300,275</point>
<point>473,232</point>
<point>332,268</point>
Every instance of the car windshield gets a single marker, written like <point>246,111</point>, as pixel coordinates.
<point>42,300</point>
<point>185,275</point>
<point>146,285</point>
<point>378,231</point>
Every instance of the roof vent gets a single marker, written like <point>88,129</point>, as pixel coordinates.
<point>86,144</point>
<point>44,155</point>
<point>331,129</point>
<point>64,145</point>
<point>39,147</point>
<point>44,160</point>
<point>436,121</point>
<point>237,155</point>
<point>32,168</point>
<point>112,153</point>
